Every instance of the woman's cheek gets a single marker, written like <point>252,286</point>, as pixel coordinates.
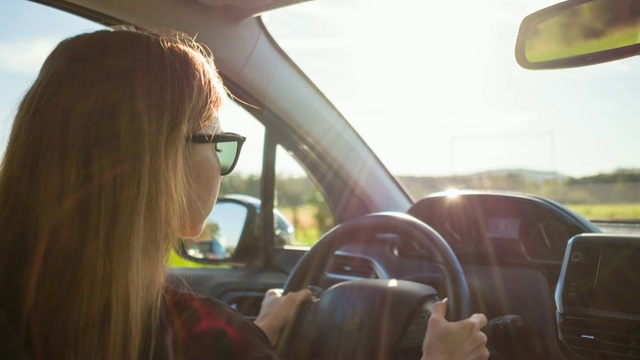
<point>204,184</point>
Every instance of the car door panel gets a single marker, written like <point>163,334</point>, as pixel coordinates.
<point>240,288</point>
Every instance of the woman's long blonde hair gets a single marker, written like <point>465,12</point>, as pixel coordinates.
<point>92,189</point>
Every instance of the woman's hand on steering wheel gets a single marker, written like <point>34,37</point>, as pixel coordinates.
<point>277,311</point>
<point>460,340</point>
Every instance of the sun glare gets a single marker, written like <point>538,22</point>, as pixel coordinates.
<point>452,193</point>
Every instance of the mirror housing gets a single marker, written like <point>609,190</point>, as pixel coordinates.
<point>577,33</point>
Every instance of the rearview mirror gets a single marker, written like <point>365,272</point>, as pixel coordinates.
<point>579,33</point>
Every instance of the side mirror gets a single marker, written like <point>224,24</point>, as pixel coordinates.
<point>230,232</point>
<point>577,33</point>
<point>222,233</point>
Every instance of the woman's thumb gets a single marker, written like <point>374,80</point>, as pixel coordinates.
<point>439,309</point>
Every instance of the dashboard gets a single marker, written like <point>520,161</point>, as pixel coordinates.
<point>502,227</point>
<point>511,248</point>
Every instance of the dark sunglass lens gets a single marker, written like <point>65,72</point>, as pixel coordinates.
<point>226,154</point>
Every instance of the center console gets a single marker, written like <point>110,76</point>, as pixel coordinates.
<point>598,297</point>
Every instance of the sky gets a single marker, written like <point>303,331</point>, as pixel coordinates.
<point>433,92</point>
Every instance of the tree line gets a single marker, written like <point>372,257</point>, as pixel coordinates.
<point>620,186</point>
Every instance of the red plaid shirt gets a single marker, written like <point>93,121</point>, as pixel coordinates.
<point>197,327</point>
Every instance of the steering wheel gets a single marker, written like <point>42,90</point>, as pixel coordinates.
<point>364,319</point>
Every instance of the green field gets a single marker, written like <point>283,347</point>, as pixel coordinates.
<point>177,262</point>
<point>607,211</point>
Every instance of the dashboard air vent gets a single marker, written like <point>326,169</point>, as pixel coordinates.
<point>602,339</point>
<point>352,266</point>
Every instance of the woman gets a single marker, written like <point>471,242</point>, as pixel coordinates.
<point>105,169</point>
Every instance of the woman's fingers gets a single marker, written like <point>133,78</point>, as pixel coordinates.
<point>277,310</point>
<point>461,340</point>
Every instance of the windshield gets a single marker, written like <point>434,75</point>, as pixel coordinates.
<point>438,95</point>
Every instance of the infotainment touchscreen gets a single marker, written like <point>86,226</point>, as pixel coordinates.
<point>617,286</point>
<point>602,273</point>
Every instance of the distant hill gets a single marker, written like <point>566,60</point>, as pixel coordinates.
<point>534,175</point>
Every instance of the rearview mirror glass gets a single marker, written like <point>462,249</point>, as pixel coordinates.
<point>579,33</point>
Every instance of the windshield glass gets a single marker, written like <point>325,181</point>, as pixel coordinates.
<point>438,95</point>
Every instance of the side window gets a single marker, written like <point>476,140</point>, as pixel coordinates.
<point>301,214</point>
<point>28,33</point>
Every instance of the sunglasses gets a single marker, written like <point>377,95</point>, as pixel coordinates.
<point>228,146</point>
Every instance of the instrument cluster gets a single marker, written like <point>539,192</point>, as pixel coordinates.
<point>506,227</point>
